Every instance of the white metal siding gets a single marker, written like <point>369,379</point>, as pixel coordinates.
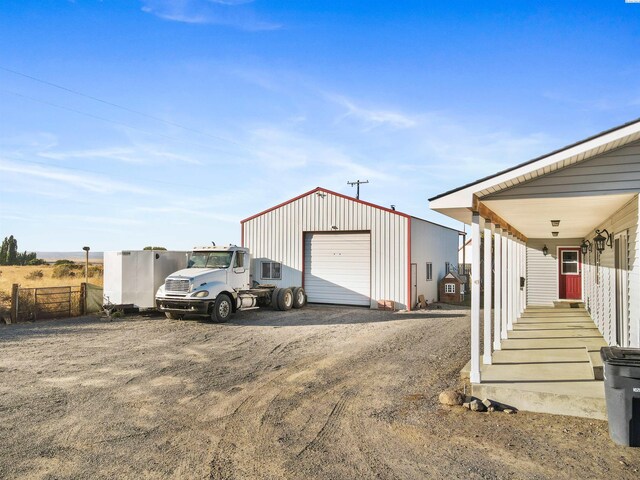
<point>542,271</point>
<point>437,245</point>
<point>277,235</point>
<point>617,171</point>
<point>600,296</point>
<point>337,268</point>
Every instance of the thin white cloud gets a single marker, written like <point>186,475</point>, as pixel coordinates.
<point>102,220</point>
<point>231,13</point>
<point>140,154</point>
<point>373,118</point>
<point>92,183</point>
<point>284,150</point>
<point>190,212</point>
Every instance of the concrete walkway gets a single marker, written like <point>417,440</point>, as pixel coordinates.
<point>550,363</point>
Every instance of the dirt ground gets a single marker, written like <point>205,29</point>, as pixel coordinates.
<point>323,392</point>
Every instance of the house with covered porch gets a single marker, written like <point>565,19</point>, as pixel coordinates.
<point>555,272</point>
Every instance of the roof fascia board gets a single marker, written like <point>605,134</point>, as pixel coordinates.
<point>330,192</point>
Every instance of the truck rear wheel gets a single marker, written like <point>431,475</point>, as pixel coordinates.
<point>299,297</point>
<point>222,309</point>
<point>274,298</point>
<point>285,299</point>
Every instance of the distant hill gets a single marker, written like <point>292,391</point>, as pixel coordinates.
<point>94,257</point>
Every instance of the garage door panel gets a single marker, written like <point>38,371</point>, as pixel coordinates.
<point>337,268</point>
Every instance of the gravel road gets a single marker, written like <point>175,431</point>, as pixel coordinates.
<point>323,392</point>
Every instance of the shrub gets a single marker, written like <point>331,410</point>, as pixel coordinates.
<point>95,270</point>
<point>64,262</point>
<point>35,275</point>
<point>37,261</point>
<point>66,270</point>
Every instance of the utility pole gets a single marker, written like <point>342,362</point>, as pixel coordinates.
<point>357,184</point>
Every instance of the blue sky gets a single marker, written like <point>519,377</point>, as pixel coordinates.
<point>205,112</point>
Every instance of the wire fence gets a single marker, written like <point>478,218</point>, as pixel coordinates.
<point>48,302</point>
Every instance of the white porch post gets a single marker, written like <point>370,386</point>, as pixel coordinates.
<point>474,374</point>
<point>497,299</point>
<point>517,282</point>
<point>510,275</point>
<point>523,273</point>
<point>504,285</point>
<point>488,267</point>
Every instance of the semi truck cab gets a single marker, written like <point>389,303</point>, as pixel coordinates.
<point>216,283</point>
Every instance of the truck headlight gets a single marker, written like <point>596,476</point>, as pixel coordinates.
<point>201,294</point>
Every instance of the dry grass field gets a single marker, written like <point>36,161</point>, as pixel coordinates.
<point>40,276</point>
<point>26,277</point>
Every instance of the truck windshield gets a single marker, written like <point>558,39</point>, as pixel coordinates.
<point>210,260</point>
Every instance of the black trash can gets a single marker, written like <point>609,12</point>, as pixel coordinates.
<point>622,392</point>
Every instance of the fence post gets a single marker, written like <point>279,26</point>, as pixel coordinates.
<point>83,298</point>
<point>13,318</point>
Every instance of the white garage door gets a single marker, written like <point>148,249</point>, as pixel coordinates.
<point>337,268</point>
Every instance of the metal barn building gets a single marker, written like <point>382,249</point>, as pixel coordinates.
<point>349,252</point>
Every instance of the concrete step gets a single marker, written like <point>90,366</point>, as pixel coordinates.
<point>555,314</point>
<point>538,372</point>
<point>575,398</point>
<point>548,343</point>
<point>533,357</point>
<point>555,333</point>
<point>552,325</point>
<point>595,361</point>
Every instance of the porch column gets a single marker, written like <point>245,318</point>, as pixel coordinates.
<point>488,267</point>
<point>518,275</point>
<point>504,263</point>
<point>474,374</point>
<point>497,299</point>
<point>523,273</point>
<point>510,275</point>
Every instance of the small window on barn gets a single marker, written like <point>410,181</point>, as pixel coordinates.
<point>271,271</point>
<point>429,271</point>
<point>449,288</point>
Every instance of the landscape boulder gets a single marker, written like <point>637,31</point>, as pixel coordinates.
<point>477,406</point>
<point>451,397</point>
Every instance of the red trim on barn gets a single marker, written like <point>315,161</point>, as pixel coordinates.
<point>324,190</point>
<point>409,286</point>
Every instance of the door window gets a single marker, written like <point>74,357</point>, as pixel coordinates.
<point>570,262</point>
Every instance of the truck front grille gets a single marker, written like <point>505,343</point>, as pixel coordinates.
<point>176,286</point>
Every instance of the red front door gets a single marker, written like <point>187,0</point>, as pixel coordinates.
<point>569,274</point>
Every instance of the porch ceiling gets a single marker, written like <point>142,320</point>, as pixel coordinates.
<point>577,215</point>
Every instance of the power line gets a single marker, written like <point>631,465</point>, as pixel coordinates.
<point>97,117</point>
<point>122,107</point>
<point>128,177</point>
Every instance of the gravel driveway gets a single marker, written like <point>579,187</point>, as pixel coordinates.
<point>323,392</point>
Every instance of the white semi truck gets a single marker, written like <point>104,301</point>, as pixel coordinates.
<point>217,282</point>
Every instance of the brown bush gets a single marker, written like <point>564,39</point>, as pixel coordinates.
<point>66,270</point>
<point>35,275</point>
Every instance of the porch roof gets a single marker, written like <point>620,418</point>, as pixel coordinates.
<point>531,215</point>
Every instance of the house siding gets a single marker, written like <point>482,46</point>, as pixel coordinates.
<point>542,271</point>
<point>601,293</point>
<point>617,171</point>
<point>435,244</point>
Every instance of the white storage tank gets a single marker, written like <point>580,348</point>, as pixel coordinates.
<point>132,277</point>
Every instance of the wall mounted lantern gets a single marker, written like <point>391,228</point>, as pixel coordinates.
<point>601,241</point>
<point>545,251</point>
<point>555,234</point>
<point>555,223</point>
<point>586,246</point>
